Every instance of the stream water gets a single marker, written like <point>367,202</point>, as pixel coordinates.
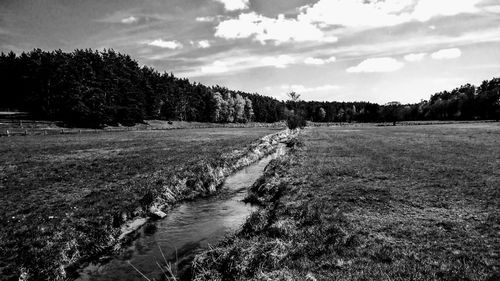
<point>187,228</point>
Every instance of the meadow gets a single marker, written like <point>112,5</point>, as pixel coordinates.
<point>64,197</point>
<point>372,203</point>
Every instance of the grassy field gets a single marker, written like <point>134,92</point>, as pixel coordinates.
<point>63,197</point>
<point>14,127</point>
<point>386,203</point>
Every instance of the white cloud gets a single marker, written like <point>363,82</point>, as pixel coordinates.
<point>215,67</point>
<point>264,29</point>
<point>204,44</point>
<point>492,9</point>
<point>355,13</point>
<point>165,44</point>
<point>414,57</point>
<point>314,61</point>
<point>329,39</point>
<point>362,13</point>
<point>444,54</point>
<point>376,65</point>
<point>417,43</point>
<point>303,89</point>
<point>427,9</point>
<point>318,61</point>
<point>239,63</point>
<point>326,88</point>
<point>129,20</point>
<point>313,19</point>
<point>281,61</point>
<point>233,5</point>
<point>242,27</point>
<point>205,19</point>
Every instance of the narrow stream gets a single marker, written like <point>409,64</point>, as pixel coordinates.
<point>187,228</point>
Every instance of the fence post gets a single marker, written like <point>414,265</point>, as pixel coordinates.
<point>7,132</point>
<point>25,132</point>
<point>62,131</point>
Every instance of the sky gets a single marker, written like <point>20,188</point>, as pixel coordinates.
<point>326,50</point>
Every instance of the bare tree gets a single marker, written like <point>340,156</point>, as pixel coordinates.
<point>293,96</point>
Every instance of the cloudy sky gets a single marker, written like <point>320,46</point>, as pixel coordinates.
<point>344,50</point>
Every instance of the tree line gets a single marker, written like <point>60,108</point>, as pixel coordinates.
<point>90,88</point>
<point>466,102</point>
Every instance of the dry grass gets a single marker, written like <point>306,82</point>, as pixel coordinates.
<point>389,203</point>
<point>65,196</point>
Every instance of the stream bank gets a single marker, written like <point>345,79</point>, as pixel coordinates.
<point>188,228</point>
<point>198,181</point>
<point>201,180</point>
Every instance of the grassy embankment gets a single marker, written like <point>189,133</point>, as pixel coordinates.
<point>64,197</point>
<point>391,203</point>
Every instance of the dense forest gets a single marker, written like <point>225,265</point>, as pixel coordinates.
<point>92,89</point>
